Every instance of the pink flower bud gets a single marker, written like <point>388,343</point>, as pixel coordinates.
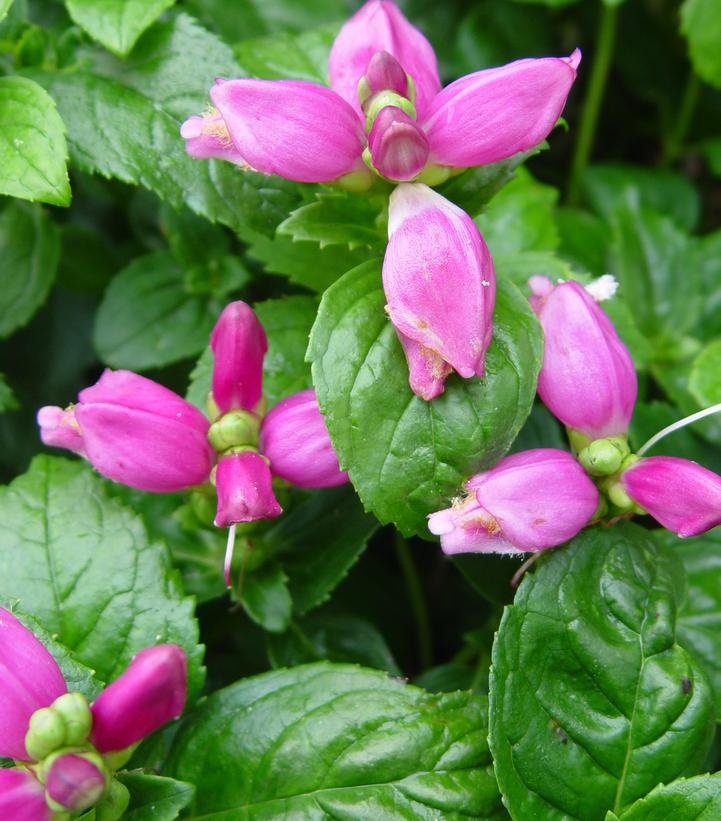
<point>683,496</point>
<point>385,73</point>
<point>398,147</point>
<point>136,432</point>
<point>440,286</point>
<point>489,115</point>
<point>299,130</point>
<point>22,797</point>
<point>528,502</point>
<point>29,680</point>
<point>587,380</point>
<point>148,694</point>
<point>239,344</point>
<point>207,137</point>
<point>295,439</point>
<point>75,782</point>
<point>245,489</point>
<point>59,429</point>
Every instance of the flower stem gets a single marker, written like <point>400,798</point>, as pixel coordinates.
<point>594,97</point>
<point>681,423</point>
<point>677,135</point>
<point>416,600</point>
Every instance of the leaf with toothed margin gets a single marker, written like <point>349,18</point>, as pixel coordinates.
<point>407,457</point>
<point>331,741</point>
<point>593,701</point>
<point>686,799</point>
<point>83,565</point>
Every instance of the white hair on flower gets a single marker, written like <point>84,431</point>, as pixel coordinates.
<point>603,288</point>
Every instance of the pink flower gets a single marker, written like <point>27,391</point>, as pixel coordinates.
<point>440,287</point>
<point>380,65</point>
<point>587,380</point>
<point>295,439</point>
<point>245,490</point>
<point>134,431</point>
<point>683,496</point>
<point>528,502</point>
<point>41,722</point>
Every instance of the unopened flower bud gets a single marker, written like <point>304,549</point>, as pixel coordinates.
<point>238,427</point>
<point>295,439</point>
<point>398,147</point>
<point>76,781</point>
<point>244,486</point>
<point>75,712</point>
<point>384,73</point>
<point>528,502</point>
<point>587,380</point>
<point>148,694</point>
<point>46,733</point>
<point>680,494</point>
<point>602,457</point>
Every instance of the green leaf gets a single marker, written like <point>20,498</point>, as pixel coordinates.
<point>593,701</point>
<point>285,56</point>
<point>29,253</point>
<point>265,597</point>
<point>668,192</point>
<point>268,16</point>
<point>332,637</point>
<point>154,798</point>
<point>584,238</point>
<point>337,219</point>
<point>520,217</point>
<point>123,121</point>
<point>147,319</point>
<point>287,324</point>
<point>699,615</point>
<point>705,378</point>
<point>318,542</point>
<point>701,24</point>
<point>5,7</point>
<point>650,258</point>
<point>82,564</point>
<point>331,741</point>
<point>7,397</point>
<point>707,262</point>
<point>686,799</point>
<point>33,151</point>
<point>116,24</point>
<point>407,457</point>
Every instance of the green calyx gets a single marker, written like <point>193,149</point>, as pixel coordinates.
<point>604,457</point>
<point>384,99</point>
<point>66,722</point>
<point>238,428</point>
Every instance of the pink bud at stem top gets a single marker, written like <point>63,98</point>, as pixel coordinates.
<point>587,380</point>
<point>398,147</point>
<point>245,489</point>
<point>295,439</point>
<point>439,283</point>
<point>30,679</point>
<point>239,345</point>
<point>680,494</point>
<point>22,797</point>
<point>529,502</point>
<point>75,783</point>
<point>147,695</point>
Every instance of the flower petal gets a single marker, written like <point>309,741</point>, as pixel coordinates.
<point>22,797</point>
<point>489,115</point>
<point>299,130</point>
<point>244,485</point>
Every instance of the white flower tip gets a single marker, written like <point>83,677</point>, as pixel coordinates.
<point>603,288</point>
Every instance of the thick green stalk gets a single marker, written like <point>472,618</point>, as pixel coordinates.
<point>674,140</point>
<point>594,97</point>
<point>416,600</point>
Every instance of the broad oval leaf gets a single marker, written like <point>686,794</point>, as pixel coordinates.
<point>29,253</point>
<point>327,741</point>
<point>686,799</point>
<point>701,23</point>
<point>704,381</point>
<point>407,457</point>
<point>33,151</point>
<point>154,798</point>
<point>82,564</point>
<point>593,702</point>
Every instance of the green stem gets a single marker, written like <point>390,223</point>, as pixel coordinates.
<point>416,601</point>
<point>674,141</point>
<point>594,97</point>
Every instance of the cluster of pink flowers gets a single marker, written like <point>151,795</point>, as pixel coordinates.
<point>65,750</point>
